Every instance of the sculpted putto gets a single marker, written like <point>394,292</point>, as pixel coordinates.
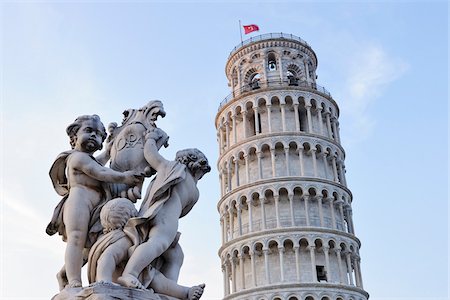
<point>79,178</point>
<point>134,249</point>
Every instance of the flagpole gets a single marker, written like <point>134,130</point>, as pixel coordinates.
<point>240,29</point>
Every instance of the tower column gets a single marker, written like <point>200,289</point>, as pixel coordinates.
<point>358,262</point>
<point>333,164</point>
<point>233,275</point>
<point>276,199</point>
<point>341,270</point>
<point>297,118</point>
<point>231,213</point>
<point>283,116</point>
<point>227,134</point>
<point>252,260</point>
<point>269,117</point>
<point>312,250</point>
<point>297,261</point>
<point>300,158</point>
<point>244,121</point>
<point>258,155</point>
<point>336,137</point>
<point>341,212</point>
<point>272,158</point>
<point>337,131</point>
<point>229,175</point>
<point>239,217</point>
<point>306,199</point>
<point>333,217</point>
<point>314,160</point>
<point>325,165</point>
<point>326,250</point>
<point>349,267</point>
<point>222,227</point>
<point>263,213</point>
<point>256,114</point>
<point>291,207</point>
<point>266,265</point>
<point>226,279</point>
<point>330,133</point>
<point>233,120</point>
<point>308,115</point>
<point>348,213</point>
<point>241,265</point>
<point>281,255</point>
<point>247,170</point>
<point>319,113</point>
<point>250,215</point>
<point>220,130</point>
<point>356,268</point>
<point>236,170</point>
<point>286,155</point>
<point>319,203</point>
<point>225,226</point>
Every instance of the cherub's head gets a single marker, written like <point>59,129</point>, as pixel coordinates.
<point>195,161</point>
<point>116,213</point>
<point>86,133</point>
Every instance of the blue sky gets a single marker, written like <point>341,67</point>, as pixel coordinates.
<point>385,63</point>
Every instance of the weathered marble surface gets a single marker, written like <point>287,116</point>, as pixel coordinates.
<point>137,249</point>
<point>108,291</point>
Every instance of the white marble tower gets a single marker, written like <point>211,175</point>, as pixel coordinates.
<point>285,209</point>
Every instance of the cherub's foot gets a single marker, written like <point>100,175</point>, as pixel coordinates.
<point>196,292</point>
<point>130,281</point>
<point>62,279</point>
<point>74,284</point>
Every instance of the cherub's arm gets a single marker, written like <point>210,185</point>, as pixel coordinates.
<point>104,156</point>
<point>188,208</point>
<point>87,165</point>
<point>154,140</point>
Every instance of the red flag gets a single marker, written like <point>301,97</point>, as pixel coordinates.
<point>250,28</point>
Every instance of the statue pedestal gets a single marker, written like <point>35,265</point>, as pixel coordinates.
<point>107,291</point>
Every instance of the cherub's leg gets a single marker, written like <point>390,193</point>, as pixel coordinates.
<point>159,240</point>
<point>161,235</point>
<point>76,219</point>
<point>163,285</point>
<point>110,258</point>
<point>61,276</point>
<point>173,261</point>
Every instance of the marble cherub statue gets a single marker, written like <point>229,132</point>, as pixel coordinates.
<point>80,179</point>
<point>126,152</point>
<point>108,254</point>
<point>170,196</point>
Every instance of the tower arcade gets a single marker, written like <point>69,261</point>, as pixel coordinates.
<point>285,209</point>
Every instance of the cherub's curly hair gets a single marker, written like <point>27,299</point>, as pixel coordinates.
<point>194,159</point>
<point>116,213</point>
<point>73,128</point>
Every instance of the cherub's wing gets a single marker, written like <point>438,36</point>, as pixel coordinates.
<point>58,173</point>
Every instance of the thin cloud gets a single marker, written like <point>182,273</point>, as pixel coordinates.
<point>369,75</point>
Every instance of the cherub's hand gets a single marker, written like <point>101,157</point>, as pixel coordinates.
<point>163,140</point>
<point>133,178</point>
<point>159,136</point>
<point>153,134</point>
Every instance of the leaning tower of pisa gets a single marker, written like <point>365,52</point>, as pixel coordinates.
<point>285,209</point>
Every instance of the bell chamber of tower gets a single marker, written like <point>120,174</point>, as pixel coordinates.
<point>285,209</point>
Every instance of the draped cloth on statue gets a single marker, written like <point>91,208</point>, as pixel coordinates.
<point>158,192</point>
<point>60,184</point>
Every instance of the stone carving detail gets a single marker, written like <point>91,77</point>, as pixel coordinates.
<point>131,254</point>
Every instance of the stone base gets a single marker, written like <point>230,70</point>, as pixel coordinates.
<point>108,291</point>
